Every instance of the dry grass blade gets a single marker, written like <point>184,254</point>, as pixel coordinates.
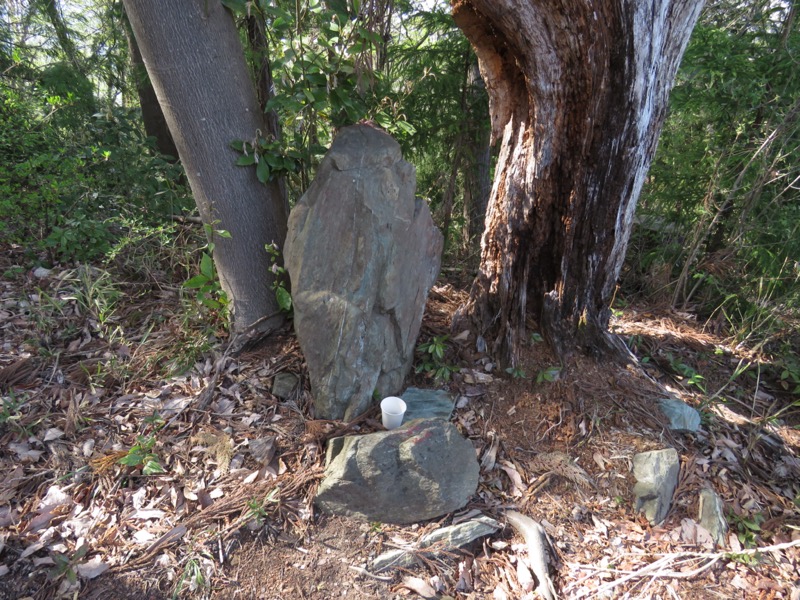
<point>19,373</point>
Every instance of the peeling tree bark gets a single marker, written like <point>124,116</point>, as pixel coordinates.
<point>578,92</point>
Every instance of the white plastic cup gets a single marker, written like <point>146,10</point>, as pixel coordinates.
<point>393,409</point>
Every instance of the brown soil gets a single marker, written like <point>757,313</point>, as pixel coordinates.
<point>232,514</point>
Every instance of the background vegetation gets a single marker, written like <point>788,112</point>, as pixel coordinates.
<point>718,221</point>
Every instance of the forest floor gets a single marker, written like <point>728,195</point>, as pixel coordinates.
<point>140,460</point>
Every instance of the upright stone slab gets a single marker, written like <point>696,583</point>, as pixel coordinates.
<point>362,253</point>
<point>656,474</point>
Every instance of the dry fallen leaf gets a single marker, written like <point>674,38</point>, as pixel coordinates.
<point>517,485</point>
<point>600,460</point>
<point>53,433</point>
<point>420,586</point>
<point>263,449</point>
<point>524,577</point>
<point>92,568</point>
<point>490,454</point>
<point>23,451</point>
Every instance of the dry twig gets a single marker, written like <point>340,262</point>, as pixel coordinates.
<point>658,569</point>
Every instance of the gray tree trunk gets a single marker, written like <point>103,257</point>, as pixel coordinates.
<point>195,60</point>
<point>478,161</point>
<point>155,125</point>
<point>578,92</point>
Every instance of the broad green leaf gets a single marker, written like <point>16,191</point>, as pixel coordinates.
<point>262,171</point>
<point>131,459</point>
<point>246,160</point>
<point>151,467</point>
<point>406,127</point>
<point>207,267</point>
<point>284,299</point>
<point>209,302</point>
<point>237,7</point>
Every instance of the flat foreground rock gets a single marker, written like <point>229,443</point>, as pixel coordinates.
<point>420,471</point>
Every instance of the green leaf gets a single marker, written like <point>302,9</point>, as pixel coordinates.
<point>284,299</point>
<point>246,160</point>
<point>406,127</point>
<point>196,282</point>
<point>131,459</point>
<point>237,7</point>
<point>152,467</point>
<point>207,267</point>
<point>262,171</point>
<point>551,373</point>
<point>209,303</point>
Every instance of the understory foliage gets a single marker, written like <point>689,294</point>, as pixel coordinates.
<point>76,170</point>
<point>73,192</point>
<point>388,62</point>
<point>719,219</point>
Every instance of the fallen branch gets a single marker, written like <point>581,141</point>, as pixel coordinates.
<point>365,573</point>
<point>658,568</point>
<point>538,551</point>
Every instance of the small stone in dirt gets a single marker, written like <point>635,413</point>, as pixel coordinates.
<point>682,417</point>
<point>417,472</point>
<point>711,515</point>
<point>283,385</point>
<point>446,538</point>
<point>656,474</point>
<point>427,404</point>
<point>41,272</point>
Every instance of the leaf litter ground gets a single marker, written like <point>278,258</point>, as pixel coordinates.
<point>119,481</point>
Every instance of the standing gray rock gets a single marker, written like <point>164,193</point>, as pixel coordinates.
<point>362,253</point>
<point>416,472</point>
<point>712,516</point>
<point>656,474</point>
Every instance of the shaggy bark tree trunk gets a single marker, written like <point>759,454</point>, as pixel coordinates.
<point>578,92</point>
<point>197,66</point>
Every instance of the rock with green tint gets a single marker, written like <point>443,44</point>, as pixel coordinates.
<point>362,253</point>
<point>419,471</point>
<point>656,474</point>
